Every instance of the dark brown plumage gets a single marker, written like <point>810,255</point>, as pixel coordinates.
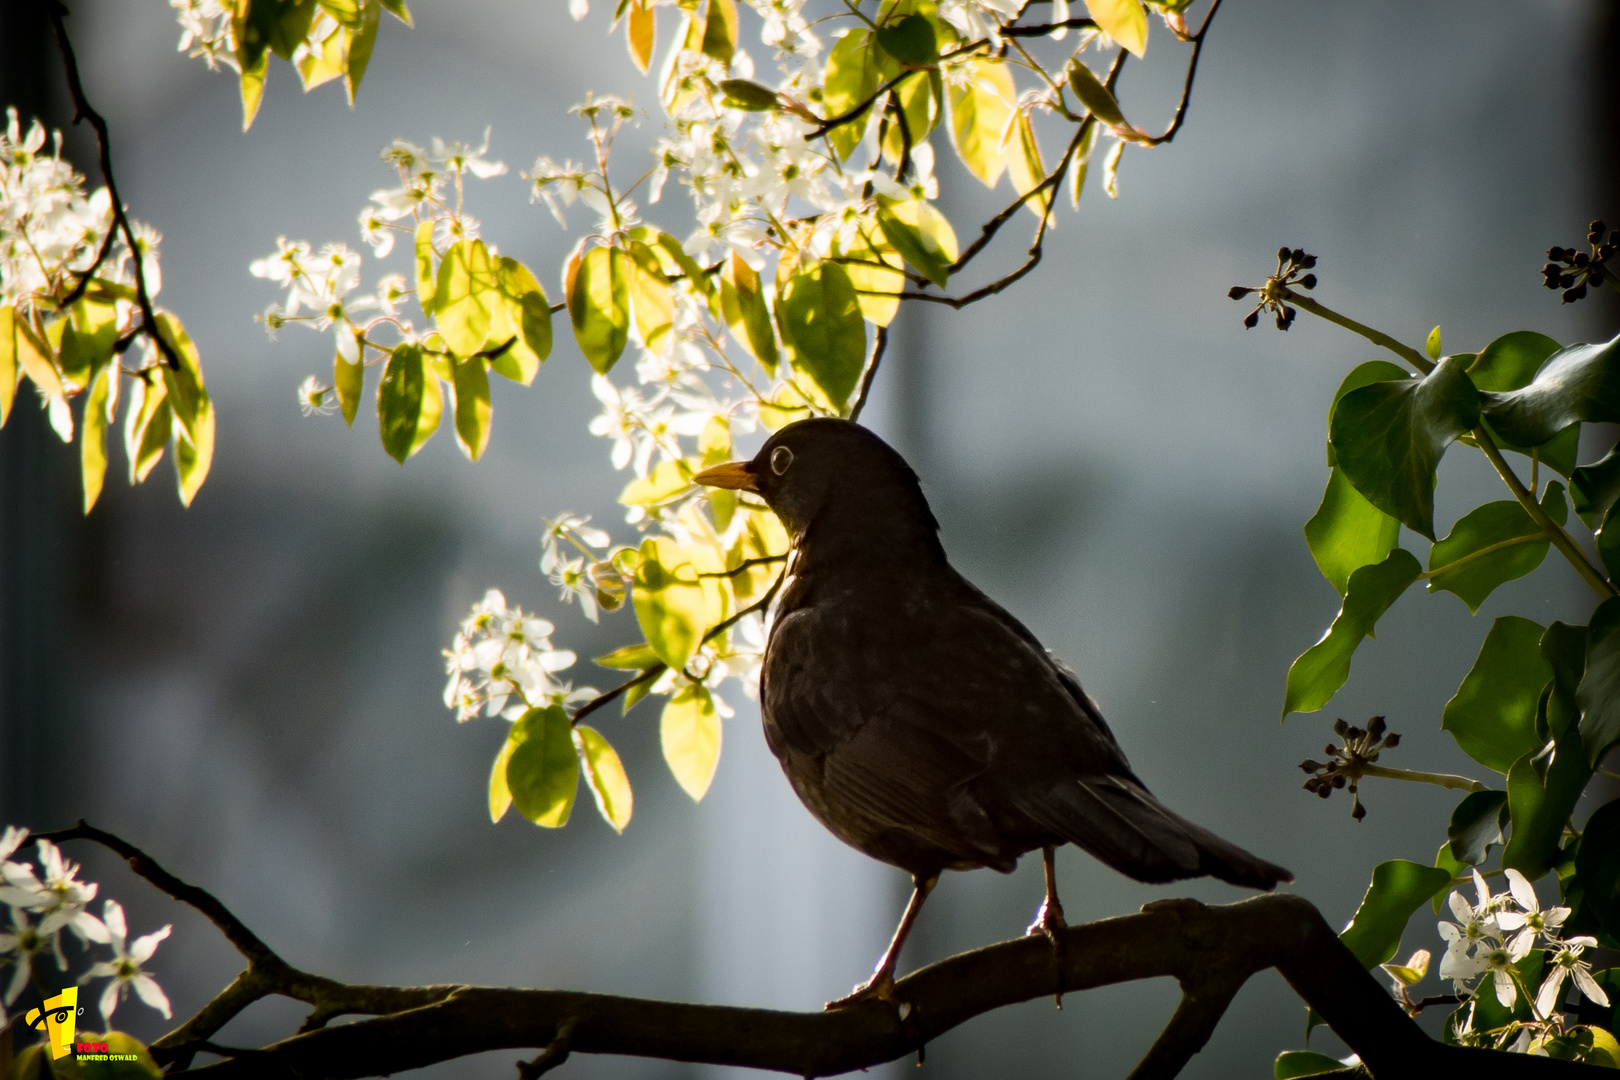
<point>918,720</point>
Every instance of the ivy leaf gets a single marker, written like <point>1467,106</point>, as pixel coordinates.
<point>1540,804</point>
<point>1347,532</point>
<point>1398,889</point>
<point>1388,438</point>
<point>599,305</point>
<point>1597,865</point>
<point>1598,694</point>
<point>1480,549</point>
<point>1122,20</point>
<point>1594,488</point>
<point>1316,676</point>
<point>1578,383</point>
<point>542,772</point>
<point>922,236</point>
<point>819,316</point>
<point>1511,361</point>
<point>745,306</point>
<point>472,406</point>
<point>1361,375</point>
<point>669,601</point>
<point>690,734</point>
<point>1476,824</point>
<point>605,776</point>
<point>981,107</point>
<point>464,297</point>
<point>1493,714</point>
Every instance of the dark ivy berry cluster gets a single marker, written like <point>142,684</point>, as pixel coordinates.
<point>1346,763</point>
<point>1293,265</point>
<point>1572,270</point>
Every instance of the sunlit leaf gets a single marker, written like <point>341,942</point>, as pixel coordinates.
<point>747,95</point>
<point>1347,532</point>
<point>1493,714</point>
<point>819,316</point>
<point>194,450</point>
<point>1024,166</point>
<point>921,235</point>
<point>325,60</point>
<point>910,40</point>
<point>148,424</point>
<point>641,33</point>
<point>669,601</point>
<point>464,297</point>
<point>1316,676</point>
<point>855,69</point>
<point>472,406</point>
<point>605,776</point>
<point>1388,438</point>
<point>398,9</point>
<point>1579,383</point>
<point>638,657</point>
<point>921,105</point>
<point>981,108</point>
<point>690,734</point>
<point>1110,177</point>
<point>252,82</point>
<point>599,306</point>
<point>1476,824</point>
<point>747,310</point>
<point>520,311</point>
<point>1398,889</point>
<point>784,406</point>
<point>34,356</point>
<point>8,360</point>
<point>1511,361</point>
<point>424,266</point>
<point>1122,20</point>
<point>650,299</point>
<point>1096,97</point>
<point>127,1058</point>
<point>408,402</point>
<point>866,259</point>
<point>542,772</point>
<point>720,30</point>
<point>348,381</point>
<point>1291,1064</point>
<point>99,406</point>
<point>500,796</point>
<point>667,480</point>
<point>360,47</point>
<point>1080,164</point>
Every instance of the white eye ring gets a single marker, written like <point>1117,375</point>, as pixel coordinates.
<point>781,458</point>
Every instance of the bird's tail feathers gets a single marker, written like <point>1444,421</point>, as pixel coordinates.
<point>1125,827</point>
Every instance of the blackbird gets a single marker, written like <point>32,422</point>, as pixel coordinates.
<point>918,720</point>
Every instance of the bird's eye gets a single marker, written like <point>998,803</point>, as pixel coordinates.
<point>781,458</point>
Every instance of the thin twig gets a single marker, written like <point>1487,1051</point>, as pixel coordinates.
<point>82,110</point>
<point>880,342</point>
<point>746,564</point>
<point>1186,87</point>
<point>1046,28</point>
<point>859,110</point>
<point>555,1053</point>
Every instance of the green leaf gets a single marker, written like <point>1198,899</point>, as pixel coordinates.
<point>1480,552</point>
<point>520,310</point>
<point>981,107</point>
<point>187,395</point>
<point>1445,860</point>
<point>148,424</point>
<point>1347,532</point>
<point>1608,542</point>
<point>668,480</point>
<point>464,297</point>
<point>1594,488</point>
<point>910,41</point>
<point>1511,361</point>
<point>98,413</point>
<point>747,310</point>
<point>1598,694</point>
<point>668,598</point>
<point>638,657</point>
<point>855,68</point>
<point>8,360</point>
<point>1024,166</point>
<point>359,54</point>
<point>748,95</point>
<point>605,776</point>
<point>1578,383</point>
<point>542,772</point>
<point>472,406</point>
<point>1122,20</point>
<point>252,82</point>
<point>1398,889</point>
<point>1362,375</point>
<point>88,335</point>
<point>599,306</point>
<point>500,796</point>
<point>398,9</point>
<point>1432,344</point>
<point>1388,438</point>
<point>1540,802</point>
<point>922,236</point>
<point>1096,97</point>
<point>1316,676</point>
<point>1493,714</point>
<point>1597,864</point>
<point>408,402</point>
<point>1294,1063</point>
<point>876,271</point>
<point>819,316</point>
<point>348,380</point>
<point>720,30</point>
<point>690,734</point>
<point>424,267</point>
<point>1476,824</point>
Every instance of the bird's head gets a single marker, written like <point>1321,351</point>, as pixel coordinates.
<point>834,473</point>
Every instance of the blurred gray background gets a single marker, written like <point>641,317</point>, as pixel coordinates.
<point>250,689</point>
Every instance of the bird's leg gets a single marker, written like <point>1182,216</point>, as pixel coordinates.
<point>1049,919</point>
<point>881,984</point>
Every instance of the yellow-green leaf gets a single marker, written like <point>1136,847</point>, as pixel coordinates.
<point>922,236</point>
<point>743,300</point>
<point>398,9</point>
<point>599,306</point>
<point>464,297</point>
<point>35,358</point>
<point>98,412</point>
<point>359,49</point>
<point>348,380</point>
<point>187,394</point>
<point>1024,165</point>
<point>605,776</point>
<point>641,34</point>
<point>1122,20</point>
<point>650,298</point>
<point>8,360</point>
<point>542,772</point>
<point>819,315</point>
<point>472,406</point>
<point>1081,163</point>
<point>667,480</point>
<point>424,266</point>
<point>874,268</point>
<point>690,733</point>
<point>855,69</point>
<point>519,311</point>
<point>408,402</point>
<point>324,61</point>
<point>252,79</point>
<point>1096,97</point>
<point>152,436</point>
<point>669,601</point>
<point>637,657</point>
<point>981,108</point>
<point>1431,345</point>
<point>720,30</point>
<point>500,796</point>
<point>1111,169</point>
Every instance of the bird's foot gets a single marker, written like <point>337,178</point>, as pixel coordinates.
<point>879,988</point>
<point>1048,920</point>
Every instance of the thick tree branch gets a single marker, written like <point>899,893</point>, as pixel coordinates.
<point>1211,950</point>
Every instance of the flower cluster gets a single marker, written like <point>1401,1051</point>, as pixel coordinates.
<point>205,31</point>
<point>1347,764</point>
<point>502,662</point>
<point>1490,938</point>
<point>1572,270</point>
<point>1293,265</point>
<point>48,899</point>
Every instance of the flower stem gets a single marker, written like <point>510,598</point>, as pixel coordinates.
<point>1422,363</point>
<point>1445,780</point>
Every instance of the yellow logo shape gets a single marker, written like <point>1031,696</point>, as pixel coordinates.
<point>60,1014</point>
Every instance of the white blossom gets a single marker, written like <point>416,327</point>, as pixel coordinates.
<point>125,965</point>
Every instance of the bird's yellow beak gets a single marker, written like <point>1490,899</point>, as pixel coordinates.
<point>737,475</point>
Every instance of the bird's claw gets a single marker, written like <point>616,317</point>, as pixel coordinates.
<point>1048,920</point>
<point>879,988</point>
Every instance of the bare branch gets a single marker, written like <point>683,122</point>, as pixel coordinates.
<point>880,342</point>
<point>1046,28</point>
